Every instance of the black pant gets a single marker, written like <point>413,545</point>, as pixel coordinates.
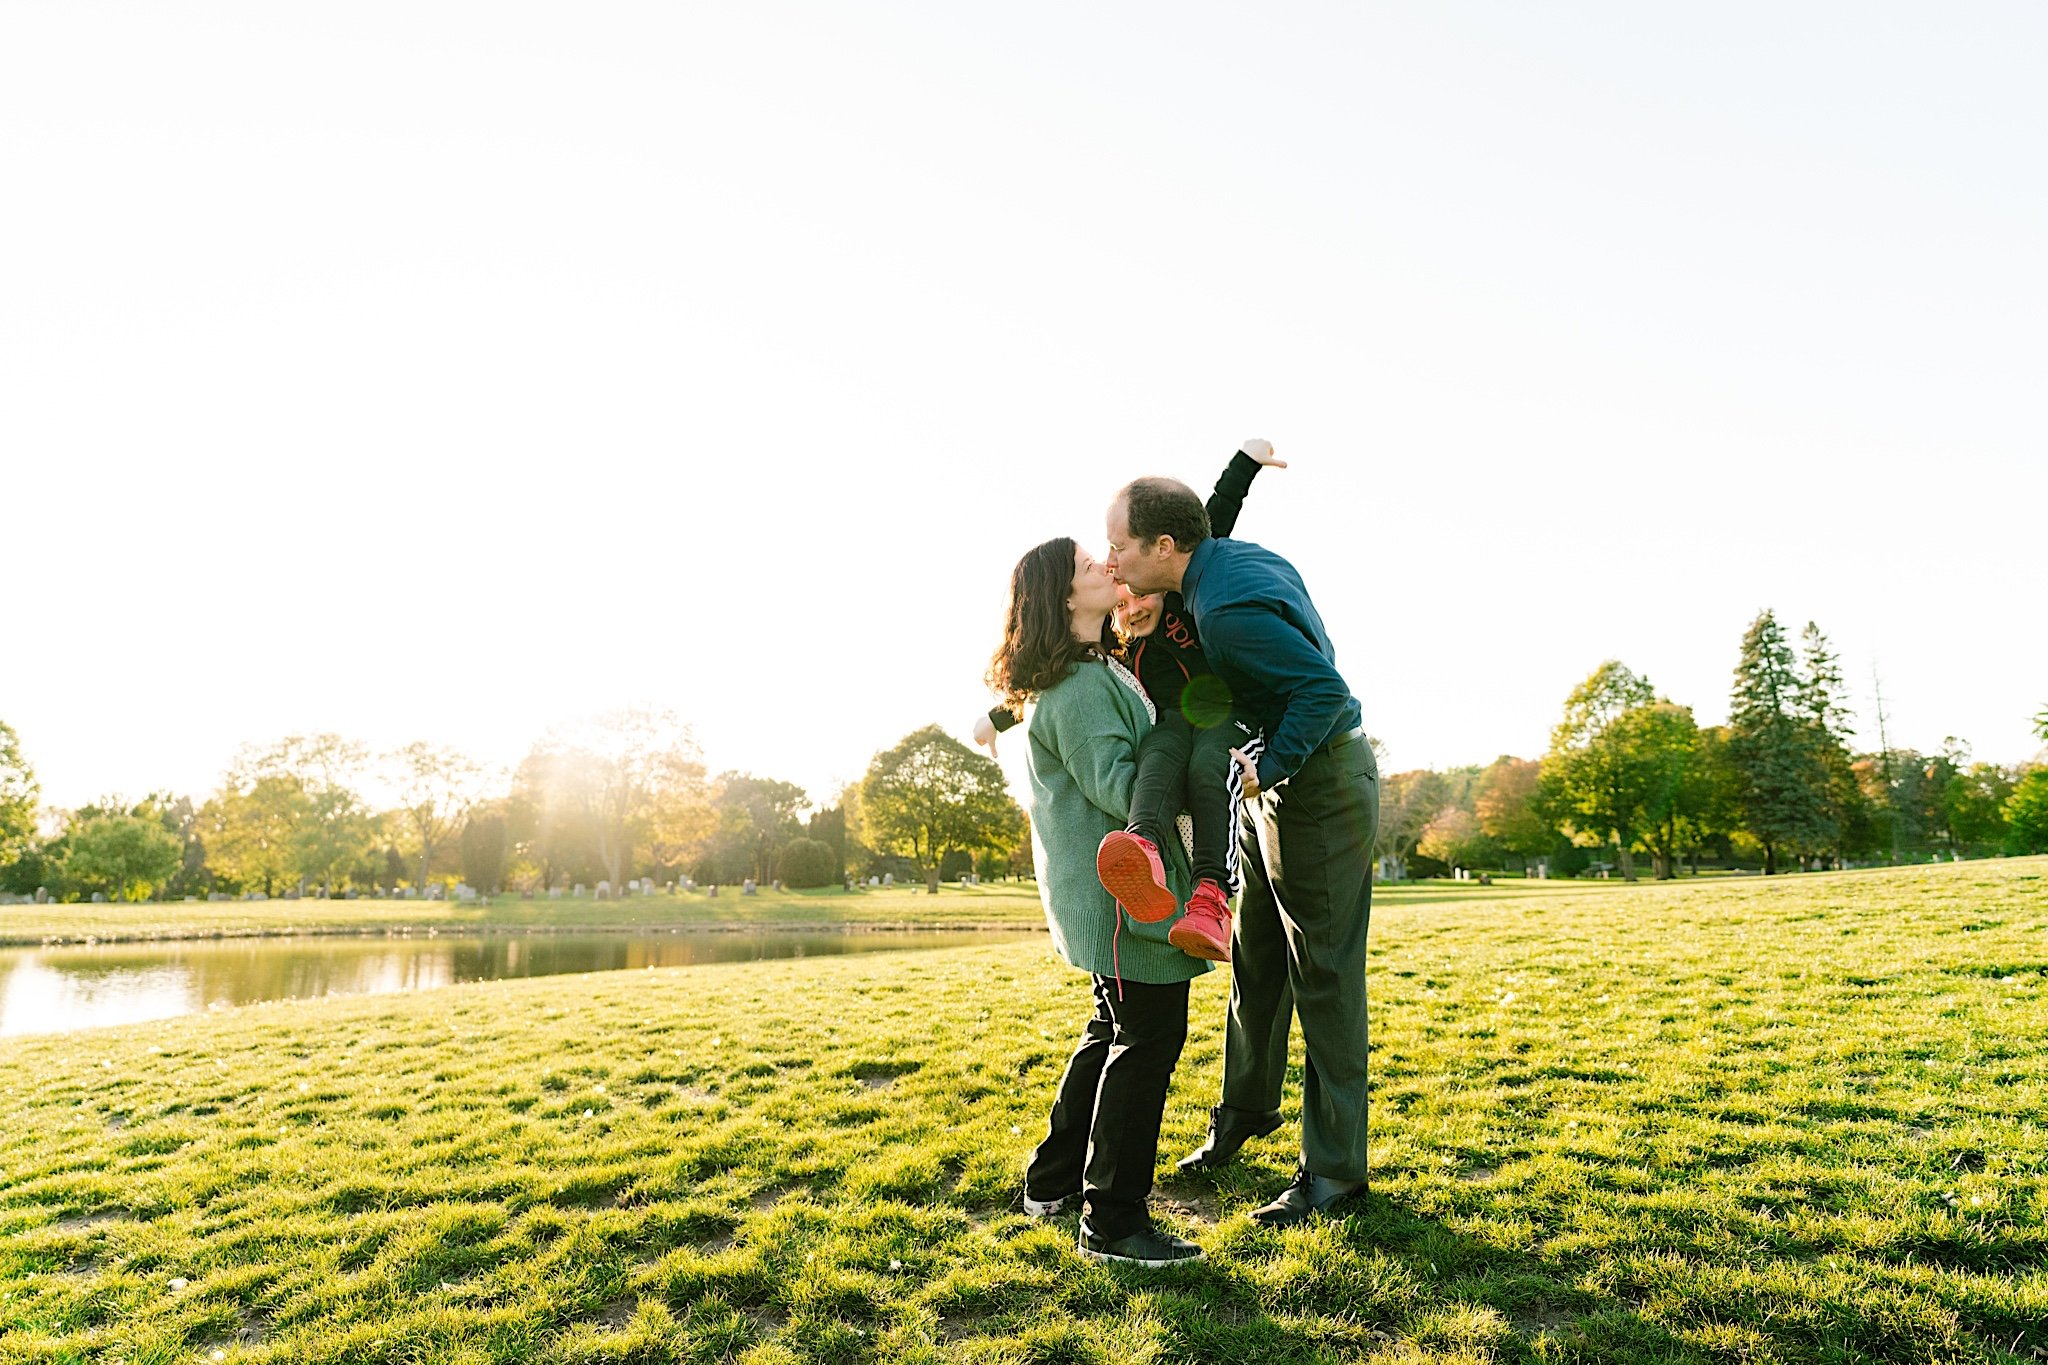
<point>1185,767</point>
<point>1103,1137</point>
<point>1299,948</point>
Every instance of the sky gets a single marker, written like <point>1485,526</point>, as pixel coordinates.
<point>458,371</point>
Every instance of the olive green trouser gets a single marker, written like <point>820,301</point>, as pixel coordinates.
<point>1299,948</point>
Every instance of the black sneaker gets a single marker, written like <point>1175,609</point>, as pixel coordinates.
<point>1149,1247</point>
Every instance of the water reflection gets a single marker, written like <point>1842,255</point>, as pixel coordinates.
<point>52,990</point>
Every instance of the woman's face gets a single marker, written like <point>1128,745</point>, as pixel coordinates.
<point>1094,590</point>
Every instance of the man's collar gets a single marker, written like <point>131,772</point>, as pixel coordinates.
<point>1192,575</point>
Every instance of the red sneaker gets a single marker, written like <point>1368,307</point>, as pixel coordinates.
<point>1204,931</point>
<point>1131,871</point>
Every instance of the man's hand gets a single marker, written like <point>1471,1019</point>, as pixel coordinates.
<point>1247,769</point>
<point>985,734</point>
<point>1262,451</point>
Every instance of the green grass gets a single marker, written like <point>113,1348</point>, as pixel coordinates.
<point>1743,1120</point>
<point>996,905</point>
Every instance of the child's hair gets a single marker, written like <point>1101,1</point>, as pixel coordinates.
<point>1039,648</point>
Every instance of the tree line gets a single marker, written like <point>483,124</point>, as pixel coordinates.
<point>1631,775</point>
<point>624,796</point>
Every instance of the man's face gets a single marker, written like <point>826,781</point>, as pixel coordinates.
<point>1136,566</point>
<point>1138,613</point>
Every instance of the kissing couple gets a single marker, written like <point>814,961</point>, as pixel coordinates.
<point>1189,740</point>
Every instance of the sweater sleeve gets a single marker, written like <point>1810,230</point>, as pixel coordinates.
<point>1263,646</point>
<point>1088,738</point>
<point>1228,499</point>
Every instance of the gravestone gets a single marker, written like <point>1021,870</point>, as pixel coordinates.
<point>260,896</point>
<point>99,898</point>
<point>747,887</point>
<point>888,879</point>
<point>554,893</point>
<point>779,886</point>
<point>464,891</point>
<point>874,881</point>
<point>578,891</point>
<point>604,891</point>
<point>42,895</point>
<point>712,892</point>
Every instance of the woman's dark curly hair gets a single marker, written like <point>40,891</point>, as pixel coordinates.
<point>1038,646</point>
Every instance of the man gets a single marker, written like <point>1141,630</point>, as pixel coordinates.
<point>1310,815</point>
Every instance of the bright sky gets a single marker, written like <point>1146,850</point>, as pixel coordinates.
<point>453,371</point>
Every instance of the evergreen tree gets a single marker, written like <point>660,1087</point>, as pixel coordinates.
<point>1823,698</point>
<point>1772,743</point>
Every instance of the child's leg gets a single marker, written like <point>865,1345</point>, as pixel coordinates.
<point>1161,787</point>
<point>1215,796</point>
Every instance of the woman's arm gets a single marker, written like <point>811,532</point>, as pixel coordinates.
<point>1082,725</point>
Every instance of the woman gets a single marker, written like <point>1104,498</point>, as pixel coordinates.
<point>1087,716</point>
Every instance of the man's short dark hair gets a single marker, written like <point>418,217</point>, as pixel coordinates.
<point>1165,507</point>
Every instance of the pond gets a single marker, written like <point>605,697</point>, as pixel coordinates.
<point>55,990</point>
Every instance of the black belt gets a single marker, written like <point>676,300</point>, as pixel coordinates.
<point>1355,735</point>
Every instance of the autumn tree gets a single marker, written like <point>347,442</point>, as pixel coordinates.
<point>931,795</point>
<point>1454,838</point>
<point>1408,802</point>
<point>1506,807</point>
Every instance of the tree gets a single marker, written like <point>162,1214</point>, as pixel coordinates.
<point>249,829</point>
<point>1974,801</point>
<point>1600,777</point>
<point>1823,700</point>
<point>484,844</point>
<point>1453,838</point>
<point>931,795</point>
<point>334,829</point>
<point>2041,725</point>
<point>598,786</point>
<point>18,797</point>
<point>2026,814</point>
<point>1775,747</point>
<point>1506,807</point>
<point>436,785</point>
<point>757,816</point>
<point>807,863</point>
<point>1408,802</point>
<point>126,856</point>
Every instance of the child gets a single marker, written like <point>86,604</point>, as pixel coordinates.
<point>1185,761</point>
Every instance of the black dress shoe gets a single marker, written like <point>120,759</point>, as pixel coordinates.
<point>1309,1196</point>
<point>1149,1247</point>
<point>1229,1129</point>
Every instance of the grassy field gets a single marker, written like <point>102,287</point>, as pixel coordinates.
<point>1735,1121</point>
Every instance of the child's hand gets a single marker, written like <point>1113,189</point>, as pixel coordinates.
<point>1262,451</point>
<point>985,734</point>
<point>1249,771</point>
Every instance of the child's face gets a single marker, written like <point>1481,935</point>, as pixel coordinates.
<point>1138,613</point>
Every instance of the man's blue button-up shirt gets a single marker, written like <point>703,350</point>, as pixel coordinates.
<point>1263,637</point>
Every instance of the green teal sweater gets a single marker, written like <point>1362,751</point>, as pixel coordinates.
<point>1083,758</point>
